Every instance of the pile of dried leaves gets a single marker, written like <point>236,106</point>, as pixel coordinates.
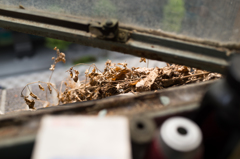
<point>118,79</point>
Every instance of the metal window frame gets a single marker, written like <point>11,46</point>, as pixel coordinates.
<point>206,55</point>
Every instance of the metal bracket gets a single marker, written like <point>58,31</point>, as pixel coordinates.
<point>109,30</point>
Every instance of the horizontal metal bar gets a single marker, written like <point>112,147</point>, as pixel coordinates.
<point>46,18</point>
<point>176,51</point>
<point>139,44</point>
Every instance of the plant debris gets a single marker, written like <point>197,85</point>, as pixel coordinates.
<point>30,102</point>
<point>49,88</point>
<point>142,59</point>
<point>118,79</point>
<point>34,96</point>
<point>41,87</point>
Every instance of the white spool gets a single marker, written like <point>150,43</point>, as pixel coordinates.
<point>181,134</point>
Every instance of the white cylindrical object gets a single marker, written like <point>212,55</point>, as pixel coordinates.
<point>181,138</point>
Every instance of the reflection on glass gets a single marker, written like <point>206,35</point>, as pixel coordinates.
<point>216,19</point>
<point>210,19</point>
<point>174,12</point>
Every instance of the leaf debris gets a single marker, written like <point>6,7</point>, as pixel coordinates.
<point>41,87</point>
<point>118,79</point>
<point>29,102</point>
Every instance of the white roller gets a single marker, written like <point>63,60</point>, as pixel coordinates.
<point>188,140</point>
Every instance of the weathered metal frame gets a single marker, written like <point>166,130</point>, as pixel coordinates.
<point>18,130</point>
<point>76,30</point>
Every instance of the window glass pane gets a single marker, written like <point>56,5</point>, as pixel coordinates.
<point>217,20</point>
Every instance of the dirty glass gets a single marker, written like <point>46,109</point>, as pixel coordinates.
<point>217,20</point>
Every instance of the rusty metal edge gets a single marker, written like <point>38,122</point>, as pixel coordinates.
<point>97,105</point>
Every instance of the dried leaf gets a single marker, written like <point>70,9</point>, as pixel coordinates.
<point>123,64</point>
<point>86,72</point>
<point>49,88</point>
<point>71,74</point>
<point>168,82</point>
<point>167,73</point>
<point>29,102</point>
<point>52,68</point>
<point>60,57</point>
<point>146,83</point>
<point>76,72</point>
<point>134,83</point>
<point>21,7</point>
<point>142,59</point>
<point>121,75</point>
<point>117,68</point>
<point>41,87</point>
<point>75,78</point>
<point>183,69</point>
<point>34,95</point>
<point>94,70</point>
<point>143,70</point>
<point>108,63</point>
